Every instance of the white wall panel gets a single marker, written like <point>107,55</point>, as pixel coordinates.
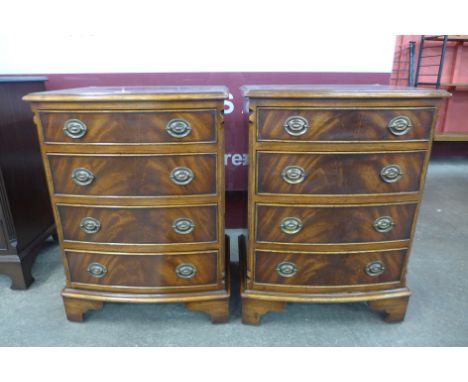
<point>210,36</point>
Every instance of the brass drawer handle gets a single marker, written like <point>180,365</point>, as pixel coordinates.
<point>293,174</point>
<point>291,226</point>
<point>90,225</point>
<point>296,125</point>
<point>97,270</point>
<point>286,269</point>
<point>183,226</point>
<point>186,271</point>
<point>182,176</point>
<point>82,176</point>
<point>400,125</point>
<point>375,268</point>
<point>178,128</point>
<point>74,128</point>
<point>384,224</point>
<point>391,173</point>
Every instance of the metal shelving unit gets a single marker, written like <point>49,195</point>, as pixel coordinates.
<point>432,54</point>
<point>433,51</point>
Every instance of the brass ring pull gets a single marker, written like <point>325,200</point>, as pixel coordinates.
<point>384,224</point>
<point>391,173</point>
<point>74,128</point>
<point>186,271</point>
<point>296,125</point>
<point>375,268</point>
<point>182,176</point>
<point>183,226</point>
<point>293,174</point>
<point>82,176</point>
<point>97,270</point>
<point>291,226</point>
<point>286,269</point>
<point>178,128</point>
<point>400,125</point>
<point>90,225</point>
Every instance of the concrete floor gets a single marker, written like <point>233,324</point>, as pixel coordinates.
<point>437,313</point>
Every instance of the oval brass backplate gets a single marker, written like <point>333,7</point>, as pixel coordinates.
<point>178,128</point>
<point>291,225</point>
<point>74,128</point>
<point>384,224</point>
<point>296,125</point>
<point>286,269</point>
<point>293,174</point>
<point>186,271</point>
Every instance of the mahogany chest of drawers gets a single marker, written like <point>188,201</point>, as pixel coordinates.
<point>335,175</point>
<point>136,179</point>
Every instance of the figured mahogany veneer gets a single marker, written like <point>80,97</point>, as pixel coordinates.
<point>339,173</point>
<point>323,269</point>
<point>130,127</point>
<point>136,177</point>
<point>336,175</point>
<point>147,225</point>
<point>344,124</point>
<point>143,175</point>
<point>334,224</point>
<point>148,272</point>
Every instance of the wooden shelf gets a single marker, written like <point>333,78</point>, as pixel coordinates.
<point>453,37</point>
<point>451,137</point>
<point>458,86</point>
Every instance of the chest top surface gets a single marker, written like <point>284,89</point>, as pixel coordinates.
<point>131,93</point>
<point>339,91</point>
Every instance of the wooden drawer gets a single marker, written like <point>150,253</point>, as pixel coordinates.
<point>139,225</point>
<point>135,270</point>
<point>339,173</point>
<point>334,224</point>
<point>329,269</point>
<point>142,175</point>
<point>130,127</point>
<point>347,124</point>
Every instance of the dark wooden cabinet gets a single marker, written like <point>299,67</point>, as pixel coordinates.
<point>26,218</point>
<point>336,175</point>
<point>137,183</point>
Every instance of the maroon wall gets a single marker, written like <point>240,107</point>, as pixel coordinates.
<point>236,132</point>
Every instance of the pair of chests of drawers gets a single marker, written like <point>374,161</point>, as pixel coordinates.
<point>137,196</point>
<point>335,193</point>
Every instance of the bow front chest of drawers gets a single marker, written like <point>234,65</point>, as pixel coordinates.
<point>136,178</point>
<point>335,175</point>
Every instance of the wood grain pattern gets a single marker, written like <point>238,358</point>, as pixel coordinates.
<point>75,308</point>
<point>130,152</point>
<point>149,225</point>
<point>116,94</point>
<point>354,93</point>
<point>134,175</point>
<point>329,268</point>
<point>130,127</point>
<point>348,146</point>
<point>343,124</point>
<point>339,173</point>
<point>343,224</point>
<point>134,270</point>
<point>346,142</point>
